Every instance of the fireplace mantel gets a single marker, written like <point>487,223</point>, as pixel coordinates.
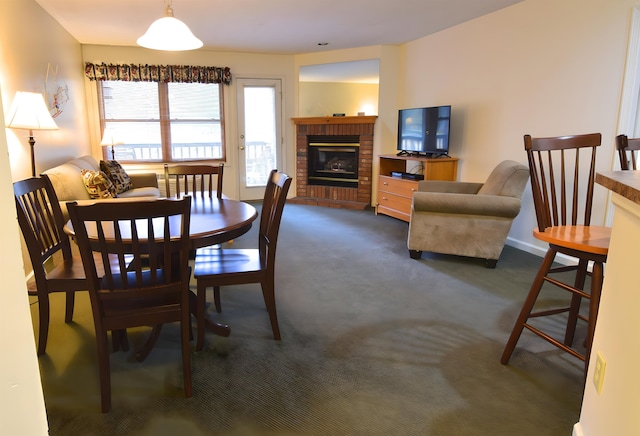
<point>363,119</point>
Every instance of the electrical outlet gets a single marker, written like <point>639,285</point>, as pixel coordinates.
<point>598,373</point>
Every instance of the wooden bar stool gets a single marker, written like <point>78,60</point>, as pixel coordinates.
<point>562,187</point>
<point>628,152</point>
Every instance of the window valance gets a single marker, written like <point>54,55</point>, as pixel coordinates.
<point>157,73</point>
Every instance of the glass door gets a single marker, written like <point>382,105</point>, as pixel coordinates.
<point>259,131</point>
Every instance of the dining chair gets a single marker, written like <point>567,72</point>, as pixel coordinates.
<point>225,267</point>
<point>55,267</point>
<point>194,179</point>
<point>562,185</point>
<point>628,152</point>
<point>135,293</point>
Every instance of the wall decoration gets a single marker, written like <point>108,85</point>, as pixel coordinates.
<point>56,92</point>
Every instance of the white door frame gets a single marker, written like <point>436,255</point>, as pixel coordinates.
<point>257,193</point>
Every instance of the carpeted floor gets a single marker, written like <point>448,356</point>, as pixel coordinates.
<point>373,343</point>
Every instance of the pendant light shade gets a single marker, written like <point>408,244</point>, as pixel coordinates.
<point>170,34</point>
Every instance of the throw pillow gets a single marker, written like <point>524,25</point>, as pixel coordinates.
<point>98,184</point>
<point>117,175</point>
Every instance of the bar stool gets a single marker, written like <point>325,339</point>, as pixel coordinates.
<point>628,152</point>
<point>561,193</point>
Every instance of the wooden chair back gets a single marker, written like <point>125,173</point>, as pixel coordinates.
<point>194,179</point>
<point>143,249</point>
<point>275,196</point>
<point>41,223</point>
<point>628,152</point>
<point>562,171</point>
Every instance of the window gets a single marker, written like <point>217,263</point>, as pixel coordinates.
<point>163,122</point>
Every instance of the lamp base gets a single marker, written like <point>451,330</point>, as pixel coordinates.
<point>32,143</point>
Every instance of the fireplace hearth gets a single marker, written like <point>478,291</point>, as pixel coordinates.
<point>334,161</point>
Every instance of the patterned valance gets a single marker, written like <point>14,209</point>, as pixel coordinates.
<point>157,73</point>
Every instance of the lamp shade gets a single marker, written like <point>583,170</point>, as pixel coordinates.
<point>29,111</point>
<point>110,138</point>
<point>169,33</point>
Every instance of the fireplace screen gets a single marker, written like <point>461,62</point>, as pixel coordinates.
<point>333,164</point>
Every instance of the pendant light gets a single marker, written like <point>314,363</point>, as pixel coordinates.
<point>169,33</point>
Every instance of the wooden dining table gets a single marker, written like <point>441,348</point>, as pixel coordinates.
<point>213,221</point>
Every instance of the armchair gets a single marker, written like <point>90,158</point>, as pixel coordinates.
<point>464,218</point>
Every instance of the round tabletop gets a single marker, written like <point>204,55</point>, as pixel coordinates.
<point>213,221</point>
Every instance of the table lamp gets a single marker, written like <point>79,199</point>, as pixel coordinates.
<point>109,138</point>
<point>29,111</point>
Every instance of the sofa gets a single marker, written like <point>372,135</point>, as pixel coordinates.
<point>69,185</point>
<point>467,219</point>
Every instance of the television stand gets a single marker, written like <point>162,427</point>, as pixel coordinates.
<point>394,194</point>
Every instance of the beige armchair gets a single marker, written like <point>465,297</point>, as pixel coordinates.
<point>467,219</point>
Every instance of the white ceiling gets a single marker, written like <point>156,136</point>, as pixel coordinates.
<point>274,26</point>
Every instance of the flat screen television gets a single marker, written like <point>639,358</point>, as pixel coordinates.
<point>424,131</point>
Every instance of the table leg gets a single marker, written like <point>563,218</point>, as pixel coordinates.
<point>217,328</point>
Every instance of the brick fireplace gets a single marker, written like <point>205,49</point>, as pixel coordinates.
<point>355,131</point>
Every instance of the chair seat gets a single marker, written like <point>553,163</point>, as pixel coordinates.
<point>219,262</point>
<point>69,275</point>
<point>589,239</point>
<point>71,270</point>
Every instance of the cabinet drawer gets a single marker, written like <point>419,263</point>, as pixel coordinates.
<point>402,187</point>
<point>393,201</point>
<point>394,213</point>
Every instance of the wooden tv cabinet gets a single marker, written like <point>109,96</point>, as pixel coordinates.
<point>395,193</point>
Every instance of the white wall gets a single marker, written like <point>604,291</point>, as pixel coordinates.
<point>323,99</point>
<point>614,411</point>
<point>20,389</point>
<point>26,57</point>
<point>30,42</point>
<point>543,67</point>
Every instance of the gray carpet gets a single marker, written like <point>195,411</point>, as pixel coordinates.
<point>373,343</point>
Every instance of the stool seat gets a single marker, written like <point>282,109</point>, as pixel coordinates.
<point>590,239</point>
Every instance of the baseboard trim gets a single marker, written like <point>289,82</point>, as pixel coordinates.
<point>539,251</point>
